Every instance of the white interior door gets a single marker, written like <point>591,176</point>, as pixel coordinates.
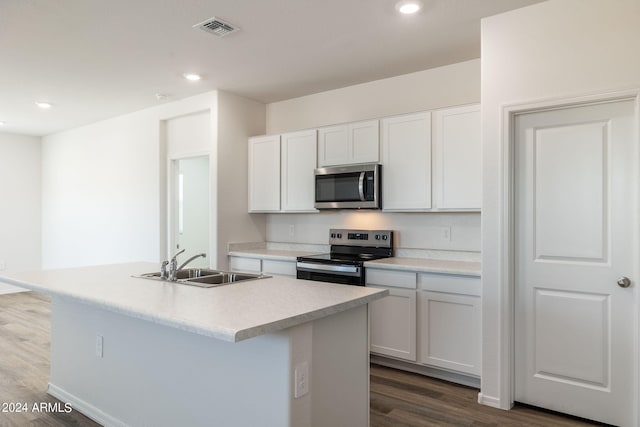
<point>576,234</point>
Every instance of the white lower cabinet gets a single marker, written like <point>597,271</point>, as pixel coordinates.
<point>245,265</point>
<point>393,318</point>
<point>449,322</point>
<point>393,324</point>
<point>264,266</point>
<point>428,318</point>
<point>279,268</point>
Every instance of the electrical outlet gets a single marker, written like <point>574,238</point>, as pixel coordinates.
<point>99,345</point>
<point>445,233</point>
<point>292,230</point>
<point>301,379</point>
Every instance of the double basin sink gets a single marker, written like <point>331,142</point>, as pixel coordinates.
<point>204,277</point>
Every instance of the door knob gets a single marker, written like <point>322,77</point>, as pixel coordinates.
<point>624,282</point>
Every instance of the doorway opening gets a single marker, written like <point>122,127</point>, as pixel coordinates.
<point>189,208</point>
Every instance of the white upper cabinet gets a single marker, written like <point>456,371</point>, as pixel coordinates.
<point>264,174</point>
<point>349,144</point>
<point>299,154</point>
<point>457,173</point>
<point>406,162</point>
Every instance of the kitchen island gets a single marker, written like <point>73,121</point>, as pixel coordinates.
<point>279,351</point>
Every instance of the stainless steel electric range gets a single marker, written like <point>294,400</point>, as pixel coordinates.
<point>349,250</point>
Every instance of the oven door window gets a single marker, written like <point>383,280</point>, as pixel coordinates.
<point>344,187</point>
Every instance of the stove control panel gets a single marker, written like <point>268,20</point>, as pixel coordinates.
<point>377,238</point>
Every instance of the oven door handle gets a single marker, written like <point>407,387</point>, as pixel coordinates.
<point>344,270</point>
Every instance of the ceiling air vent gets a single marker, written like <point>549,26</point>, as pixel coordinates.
<point>217,27</point>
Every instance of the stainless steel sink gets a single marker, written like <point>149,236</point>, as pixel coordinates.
<point>205,278</point>
<point>185,273</point>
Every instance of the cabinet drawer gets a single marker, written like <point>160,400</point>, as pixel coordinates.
<point>449,283</point>
<point>396,279</point>
<point>285,268</point>
<point>252,265</point>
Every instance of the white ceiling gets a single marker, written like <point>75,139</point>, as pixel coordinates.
<point>95,59</point>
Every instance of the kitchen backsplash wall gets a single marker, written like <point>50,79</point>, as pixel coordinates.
<point>437,231</point>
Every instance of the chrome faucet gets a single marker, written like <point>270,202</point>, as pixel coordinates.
<point>173,266</point>
<point>203,255</point>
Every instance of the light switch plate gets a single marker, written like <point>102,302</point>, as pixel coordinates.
<point>445,233</point>
<point>301,379</point>
<point>99,345</point>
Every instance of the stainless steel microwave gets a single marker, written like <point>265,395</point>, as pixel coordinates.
<point>348,187</point>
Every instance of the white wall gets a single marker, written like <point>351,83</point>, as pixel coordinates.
<point>550,50</point>
<point>104,185</point>
<point>238,119</point>
<point>101,192</point>
<point>20,200</point>
<point>447,86</point>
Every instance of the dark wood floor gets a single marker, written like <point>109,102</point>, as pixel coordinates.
<point>404,399</point>
<point>398,399</point>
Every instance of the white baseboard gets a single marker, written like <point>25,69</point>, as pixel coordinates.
<point>454,377</point>
<point>85,408</point>
<point>494,402</point>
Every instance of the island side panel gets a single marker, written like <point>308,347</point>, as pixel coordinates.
<point>151,374</point>
<point>340,374</point>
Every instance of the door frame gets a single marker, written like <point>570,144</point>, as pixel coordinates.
<point>507,220</point>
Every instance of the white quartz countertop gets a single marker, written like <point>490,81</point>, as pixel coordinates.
<point>424,265</point>
<point>232,312</point>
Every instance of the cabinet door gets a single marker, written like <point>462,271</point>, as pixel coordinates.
<point>449,331</point>
<point>333,145</point>
<point>364,142</point>
<point>247,265</point>
<point>264,174</point>
<point>457,158</point>
<point>282,268</point>
<point>406,160</point>
<point>393,324</point>
<point>349,144</point>
<point>298,164</point>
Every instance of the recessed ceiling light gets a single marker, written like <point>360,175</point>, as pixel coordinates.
<point>408,7</point>
<point>2,123</point>
<point>192,77</point>
<point>44,105</point>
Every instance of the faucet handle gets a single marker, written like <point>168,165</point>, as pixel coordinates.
<point>163,269</point>
<point>173,269</point>
<point>177,253</point>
